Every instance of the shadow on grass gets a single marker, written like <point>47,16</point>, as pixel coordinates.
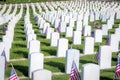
<point>22,69</point>
<point>85,61</point>
<point>45,43</point>
<point>50,51</point>
<point>22,52</point>
<point>59,65</point>
<point>41,36</point>
<point>20,38</point>
<point>105,78</point>
<point>114,59</point>
<point>21,33</point>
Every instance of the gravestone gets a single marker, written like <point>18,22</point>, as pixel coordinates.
<point>105,57</point>
<point>79,26</point>
<point>114,42</point>
<point>29,32</point>
<point>90,71</point>
<point>61,50</point>
<point>69,32</point>
<point>89,45</point>
<point>92,16</point>
<point>30,37</point>
<point>87,31</point>
<point>80,17</point>
<point>77,36</point>
<point>117,32</point>
<point>118,14</point>
<point>67,19</point>
<point>57,23</point>
<point>7,41</point>
<point>62,26</point>
<point>36,62</point>
<point>54,39</point>
<point>97,15</point>
<point>104,29</point>
<point>71,22</point>
<point>2,67</point>
<point>53,20</point>
<point>104,17</point>
<point>72,54</point>
<point>41,25</point>
<point>28,27</point>
<point>109,24</point>
<point>98,35</point>
<point>46,26</point>
<point>85,19</point>
<point>42,75</point>
<point>48,33</point>
<point>2,46</point>
<point>34,46</point>
<point>7,48</point>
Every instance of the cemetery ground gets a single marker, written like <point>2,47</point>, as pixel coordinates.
<point>19,53</point>
<point>24,1</point>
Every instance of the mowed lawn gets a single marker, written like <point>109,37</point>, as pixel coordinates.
<point>56,65</point>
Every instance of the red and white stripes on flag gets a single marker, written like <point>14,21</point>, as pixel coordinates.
<point>117,69</point>
<point>74,74</point>
<point>13,75</point>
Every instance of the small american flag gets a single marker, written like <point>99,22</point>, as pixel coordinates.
<point>3,54</point>
<point>13,75</point>
<point>117,69</point>
<point>74,74</point>
<point>57,30</point>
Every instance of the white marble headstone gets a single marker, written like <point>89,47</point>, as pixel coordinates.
<point>62,26</point>
<point>77,36</point>
<point>104,29</point>
<point>90,71</point>
<point>69,32</point>
<point>54,39</point>
<point>89,45</point>
<point>2,67</point>
<point>87,31</point>
<point>48,33</point>
<point>105,57</point>
<point>34,46</point>
<point>7,48</point>
<point>36,62</point>
<point>98,35</point>
<point>92,17</point>
<point>109,24</point>
<point>79,25</point>
<point>62,47</point>
<point>57,23</point>
<point>46,26</point>
<point>72,54</point>
<point>71,22</point>
<point>114,42</point>
<point>42,75</point>
<point>117,32</point>
<point>30,37</point>
<point>2,46</point>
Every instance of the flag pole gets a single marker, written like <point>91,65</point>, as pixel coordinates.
<point>14,70</point>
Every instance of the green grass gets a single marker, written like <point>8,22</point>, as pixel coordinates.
<point>60,77</point>
<point>19,50</point>
<point>25,1</point>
